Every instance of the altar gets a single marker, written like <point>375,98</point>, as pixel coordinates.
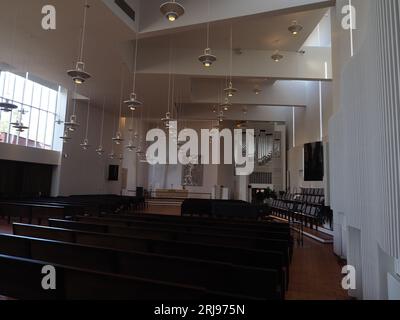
<point>171,194</point>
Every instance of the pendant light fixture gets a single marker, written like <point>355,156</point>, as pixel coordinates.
<point>277,56</point>
<point>295,28</point>
<point>207,59</point>
<point>7,106</point>
<point>79,75</point>
<point>131,145</point>
<point>230,90</point>
<point>226,105</point>
<point>133,102</point>
<point>100,149</point>
<point>85,145</point>
<point>172,10</point>
<point>221,116</point>
<point>73,124</point>
<point>118,139</point>
<point>66,138</point>
<point>257,90</point>
<point>18,125</point>
<point>171,90</point>
<point>113,155</point>
<point>139,150</point>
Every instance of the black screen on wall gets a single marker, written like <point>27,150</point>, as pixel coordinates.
<point>113,173</point>
<point>313,162</point>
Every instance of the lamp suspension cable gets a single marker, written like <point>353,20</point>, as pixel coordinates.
<point>102,123</point>
<point>231,55</point>
<point>83,29</point>
<point>169,75</point>
<point>74,97</point>
<point>121,98</point>
<point>87,119</point>
<point>135,65</point>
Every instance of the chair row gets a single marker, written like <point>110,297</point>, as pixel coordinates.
<point>309,215</point>
<point>318,200</point>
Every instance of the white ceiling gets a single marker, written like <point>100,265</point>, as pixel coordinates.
<point>261,32</point>
<point>48,54</point>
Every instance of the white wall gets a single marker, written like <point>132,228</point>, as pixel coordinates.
<point>84,172</point>
<point>307,129</point>
<point>364,142</point>
<point>26,154</point>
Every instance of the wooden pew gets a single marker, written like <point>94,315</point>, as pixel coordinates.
<point>30,211</point>
<point>239,256</point>
<point>211,275</point>
<point>276,244</point>
<point>212,222</point>
<point>126,227</point>
<point>21,279</point>
<point>188,227</point>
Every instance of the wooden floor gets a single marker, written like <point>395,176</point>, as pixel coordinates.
<point>314,274</point>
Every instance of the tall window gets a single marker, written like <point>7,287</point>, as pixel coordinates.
<point>37,104</point>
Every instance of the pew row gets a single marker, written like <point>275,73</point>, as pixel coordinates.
<point>211,275</point>
<point>229,254</point>
<point>276,244</point>
<point>21,278</point>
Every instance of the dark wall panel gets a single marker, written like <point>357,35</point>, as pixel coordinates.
<point>22,179</point>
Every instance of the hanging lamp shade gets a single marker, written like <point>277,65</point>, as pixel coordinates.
<point>277,56</point>
<point>131,146</point>
<point>133,102</point>
<point>100,150</point>
<point>167,120</point>
<point>65,138</point>
<point>7,107</point>
<point>72,124</point>
<point>226,105</point>
<point>172,10</point>
<point>79,75</point>
<point>257,91</point>
<point>85,145</point>
<point>230,91</point>
<point>295,28</point>
<point>19,126</point>
<point>221,116</point>
<point>207,59</point>
<point>118,138</point>
<point>112,155</point>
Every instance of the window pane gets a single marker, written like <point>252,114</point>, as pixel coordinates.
<point>50,129</point>
<point>44,105</point>
<point>28,92</point>
<point>9,86</point>
<point>2,82</point>
<point>19,89</point>
<point>34,124</point>
<point>53,101</point>
<point>42,127</point>
<point>37,89</point>
<point>40,105</point>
